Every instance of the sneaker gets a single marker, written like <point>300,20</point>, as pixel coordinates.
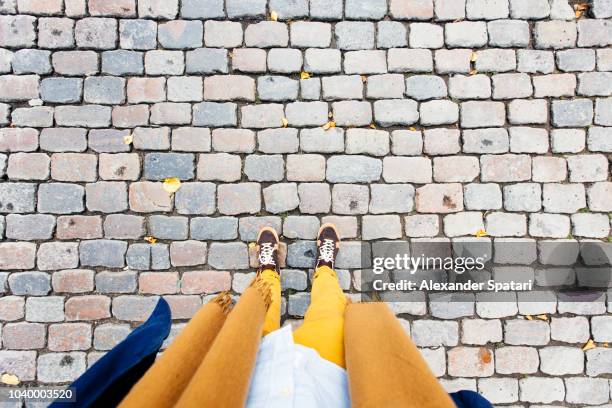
<point>328,244</point>
<point>267,250</point>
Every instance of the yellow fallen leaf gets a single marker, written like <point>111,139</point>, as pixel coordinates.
<point>474,56</point>
<point>273,15</point>
<point>172,184</point>
<point>580,9</point>
<point>150,240</point>
<point>372,126</point>
<point>481,233</point>
<point>128,139</point>
<point>9,379</point>
<point>529,317</point>
<point>412,128</point>
<point>304,75</point>
<point>364,78</point>
<point>329,125</point>
<point>542,317</point>
<point>589,345</point>
<point>485,355</point>
<point>473,72</point>
<point>251,245</point>
<point>285,122</point>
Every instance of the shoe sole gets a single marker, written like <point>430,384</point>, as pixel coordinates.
<point>328,225</point>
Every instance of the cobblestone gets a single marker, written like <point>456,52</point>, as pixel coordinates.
<point>419,120</point>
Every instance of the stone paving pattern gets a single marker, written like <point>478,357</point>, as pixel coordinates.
<point>451,116</point>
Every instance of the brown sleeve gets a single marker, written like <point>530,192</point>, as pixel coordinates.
<point>385,369</point>
<point>164,382</point>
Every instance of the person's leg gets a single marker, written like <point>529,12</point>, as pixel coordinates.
<point>272,321</point>
<point>269,271</point>
<point>223,377</point>
<point>323,327</point>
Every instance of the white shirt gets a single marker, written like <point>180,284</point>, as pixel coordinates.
<point>290,375</point>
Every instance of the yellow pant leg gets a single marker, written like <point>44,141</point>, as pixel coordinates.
<point>272,321</point>
<point>323,327</point>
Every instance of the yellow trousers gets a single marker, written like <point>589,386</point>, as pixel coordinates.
<point>323,327</point>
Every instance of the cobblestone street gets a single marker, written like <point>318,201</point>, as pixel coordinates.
<point>143,144</point>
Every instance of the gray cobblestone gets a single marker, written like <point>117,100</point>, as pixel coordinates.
<point>290,10</point>
<point>315,198</point>
<point>508,33</point>
<point>342,87</point>
<point>31,62</point>
<point>277,88</point>
<point>215,114</point>
<point>391,34</point>
<point>426,35</point>
<point>470,87</point>
<point>422,87</point>
<point>239,198</point>
<point>466,34</point>
<point>107,253</point>
<point>410,60</point>
<point>536,61</point>
<point>138,34</point>
<point>363,169</point>
<point>30,283</point>
<point>354,35</point>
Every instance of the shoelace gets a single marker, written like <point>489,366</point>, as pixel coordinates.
<point>266,252</point>
<point>326,250</point>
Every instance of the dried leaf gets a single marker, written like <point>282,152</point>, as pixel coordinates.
<point>589,345</point>
<point>605,345</point>
<point>364,78</point>
<point>542,317</point>
<point>412,128</point>
<point>251,245</point>
<point>372,126</point>
<point>474,56</point>
<point>9,379</point>
<point>485,355</point>
<point>529,317</point>
<point>473,72</point>
<point>285,122</point>
<point>172,184</point>
<point>304,75</point>
<point>128,139</point>
<point>580,9</point>
<point>481,233</point>
<point>150,240</point>
<point>273,15</point>
<point>329,125</point>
